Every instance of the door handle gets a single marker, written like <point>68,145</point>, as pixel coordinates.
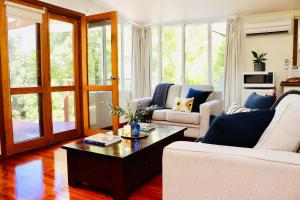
<point>114,78</point>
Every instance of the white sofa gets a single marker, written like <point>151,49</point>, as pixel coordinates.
<point>197,123</point>
<point>197,171</point>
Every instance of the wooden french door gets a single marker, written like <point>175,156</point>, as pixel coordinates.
<point>40,77</point>
<point>64,78</point>
<point>100,76</point>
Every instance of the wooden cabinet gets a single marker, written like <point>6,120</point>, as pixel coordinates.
<point>289,86</point>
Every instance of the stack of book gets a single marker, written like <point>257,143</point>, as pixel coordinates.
<point>102,139</point>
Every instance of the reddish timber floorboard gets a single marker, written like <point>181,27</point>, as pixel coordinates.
<point>42,174</point>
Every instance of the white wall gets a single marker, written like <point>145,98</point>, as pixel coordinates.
<point>277,47</point>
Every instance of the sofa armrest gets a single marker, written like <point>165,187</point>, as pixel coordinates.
<point>203,171</point>
<point>214,107</point>
<point>144,102</point>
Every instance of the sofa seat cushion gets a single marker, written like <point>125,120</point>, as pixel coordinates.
<point>183,117</point>
<point>160,115</point>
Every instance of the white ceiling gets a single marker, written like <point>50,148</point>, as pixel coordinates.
<point>166,11</point>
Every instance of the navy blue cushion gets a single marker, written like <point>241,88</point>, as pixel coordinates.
<point>256,101</point>
<point>200,97</point>
<point>240,129</point>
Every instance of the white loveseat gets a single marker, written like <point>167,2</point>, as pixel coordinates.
<point>197,171</point>
<point>197,123</point>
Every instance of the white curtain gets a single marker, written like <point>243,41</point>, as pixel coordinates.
<point>141,46</point>
<point>233,62</point>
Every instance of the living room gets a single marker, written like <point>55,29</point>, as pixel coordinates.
<point>149,100</point>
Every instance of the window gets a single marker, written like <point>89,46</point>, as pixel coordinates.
<point>171,54</point>
<point>127,41</point>
<point>189,53</point>
<point>218,54</point>
<point>155,63</point>
<point>196,54</point>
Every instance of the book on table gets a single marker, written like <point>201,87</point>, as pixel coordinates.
<point>147,127</point>
<point>102,139</point>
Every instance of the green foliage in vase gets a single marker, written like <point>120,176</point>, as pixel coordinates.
<point>129,114</point>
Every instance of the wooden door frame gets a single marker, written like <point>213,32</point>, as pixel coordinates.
<point>44,140</point>
<point>295,42</point>
<point>4,87</point>
<point>7,144</point>
<point>84,69</point>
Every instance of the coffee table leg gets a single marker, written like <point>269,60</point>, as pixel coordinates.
<point>72,180</point>
<point>120,189</point>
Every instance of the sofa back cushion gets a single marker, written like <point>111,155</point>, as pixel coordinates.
<point>174,91</point>
<point>185,89</point>
<point>241,129</point>
<point>283,133</point>
<point>256,101</point>
<point>200,97</point>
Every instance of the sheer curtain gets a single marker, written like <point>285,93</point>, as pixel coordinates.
<point>233,62</point>
<point>141,45</point>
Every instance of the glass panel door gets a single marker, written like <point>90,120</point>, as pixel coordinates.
<point>64,77</point>
<point>26,106</point>
<point>40,77</point>
<point>102,72</point>
<point>24,63</point>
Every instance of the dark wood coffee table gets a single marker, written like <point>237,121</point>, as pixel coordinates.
<point>123,166</point>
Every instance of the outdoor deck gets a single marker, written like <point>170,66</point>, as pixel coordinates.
<point>27,130</point>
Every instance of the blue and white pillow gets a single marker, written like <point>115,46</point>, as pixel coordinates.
<point>235,108</point>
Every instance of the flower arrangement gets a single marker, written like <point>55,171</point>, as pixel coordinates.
<point>121,112</point>
<point>141,114</point>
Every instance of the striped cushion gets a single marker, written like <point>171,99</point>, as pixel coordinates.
<point>235,108</point>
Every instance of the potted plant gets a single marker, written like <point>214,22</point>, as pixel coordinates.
<point>259,61</point>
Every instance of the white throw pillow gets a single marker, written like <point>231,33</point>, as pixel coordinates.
<point>283,133</point>
<point>235,108</point>
<point>183,104</point>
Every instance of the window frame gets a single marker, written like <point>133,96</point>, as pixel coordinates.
<point>183,53</point>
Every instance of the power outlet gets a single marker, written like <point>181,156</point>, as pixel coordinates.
<point>286,63</point>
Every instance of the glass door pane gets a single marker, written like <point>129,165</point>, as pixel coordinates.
<point>27,118</point>
<point>99,53</point>
<point>63,111</point>
<point>24,54</point>
<point>61,53</point>
<point>99,111</point>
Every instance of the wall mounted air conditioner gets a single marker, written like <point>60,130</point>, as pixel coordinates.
<point>268,28</point>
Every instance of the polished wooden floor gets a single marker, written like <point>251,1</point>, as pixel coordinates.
<point>42,174</point>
